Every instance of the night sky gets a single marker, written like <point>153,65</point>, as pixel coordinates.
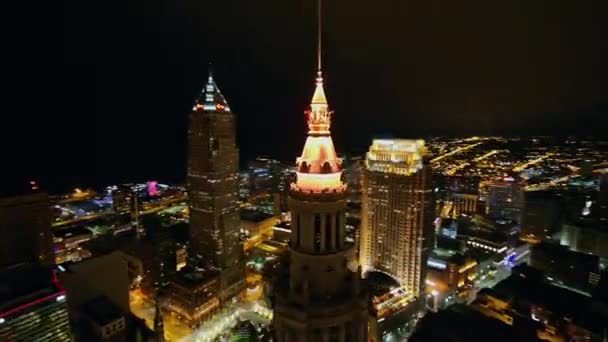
<point>392,68</point>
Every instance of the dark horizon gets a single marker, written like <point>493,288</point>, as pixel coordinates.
<point>404,69</point>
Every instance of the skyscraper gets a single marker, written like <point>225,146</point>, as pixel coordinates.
<point>397,212</point>
<point>213,190</point>
<point>323,300</point>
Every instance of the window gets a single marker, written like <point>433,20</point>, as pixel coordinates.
<point>338,243</point>
<point>298,230</point>
<point>317,237</point>
<point>328,244</point>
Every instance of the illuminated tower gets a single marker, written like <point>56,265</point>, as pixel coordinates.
<point>322,300</point>
<point>397,212</point>
<point>213,190</point>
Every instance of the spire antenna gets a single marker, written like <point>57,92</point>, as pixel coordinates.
<point>319,37</point>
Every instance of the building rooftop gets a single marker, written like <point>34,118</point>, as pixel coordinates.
<point>461,323</point>
<point>102,311</point>
<point>191,278</point>
<point>211,99</point>
<point>254,215</point>
<point>25,284</point>
<point>380,283</point>
<point>526,285</point>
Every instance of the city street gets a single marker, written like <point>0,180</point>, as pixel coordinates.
<point>219,325</point>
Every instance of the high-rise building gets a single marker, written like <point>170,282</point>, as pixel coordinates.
<point>540,217</point>
<point>32,305</point>
<point>213,190</point>
<point>323,299</point>
<point>25,228</point>
<point>505,200</point>
<point>397,215</point>
<point>264,176</point>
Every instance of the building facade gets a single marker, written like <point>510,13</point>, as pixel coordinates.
<point>213,191</point>
<point>194,296</point>
<point>322,300</point>
<point>505,200</point>
<point>603,200</point>
<point>32,305</point>
<point>25,227</point>
<point>397,212</point>
<point>464,204</point>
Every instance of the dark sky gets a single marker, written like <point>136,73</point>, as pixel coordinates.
<point>131,70</point>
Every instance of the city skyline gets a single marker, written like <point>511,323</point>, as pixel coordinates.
<point>434,72</point>
<point>459,191</point>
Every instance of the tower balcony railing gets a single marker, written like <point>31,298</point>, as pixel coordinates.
<point>323,194</point>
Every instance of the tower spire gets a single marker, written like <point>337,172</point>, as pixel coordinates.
<point>318,97</point>
<point>319,38</point>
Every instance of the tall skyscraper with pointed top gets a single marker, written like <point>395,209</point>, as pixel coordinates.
<point>322,300</point>
<point>213,191</point>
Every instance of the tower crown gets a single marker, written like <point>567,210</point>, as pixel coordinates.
<point>319,169</point>
<point>211,98</point>
<point>319,116</point>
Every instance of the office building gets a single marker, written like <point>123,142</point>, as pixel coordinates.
<point>102,320</point>
<point>527,300</point>
<point>391,308</point>
<point>213,191</point>
<point>585,235</point>
<point>463,323</point>
<point>257,227</point>
<point>464,204</point>
<point>574,269</point>
<point>32,305</point>
<point>104,275</point>
<point>505,200</point>
<point>540,216</point>
<point>264,176</point>
<point>321,300</point>
<point>449,279</point>
<point>25,227</point>
<point>151,260</point>
<point>398,209</point>
<point>194,296</point>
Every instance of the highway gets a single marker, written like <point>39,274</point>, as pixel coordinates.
<point>547,185</point>
<point>458,150</point>
<point>531,162</point>
<point>148,208</point>
<point>453,170</point>
<point>489,154</point>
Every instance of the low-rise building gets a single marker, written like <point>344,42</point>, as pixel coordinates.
<point>194,295</point>
<point>256,226</point>
<point>449,279</point>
